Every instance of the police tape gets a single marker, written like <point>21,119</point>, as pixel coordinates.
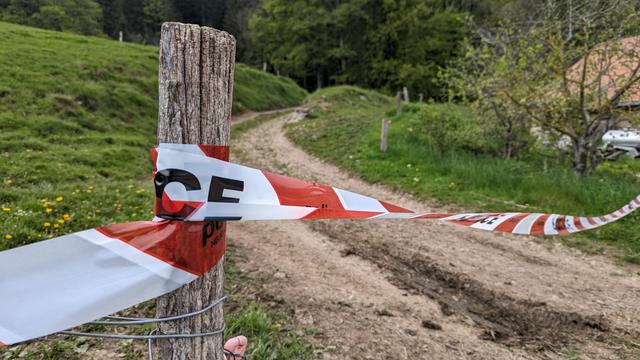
<point>53,285</point>
<point>194,186</point>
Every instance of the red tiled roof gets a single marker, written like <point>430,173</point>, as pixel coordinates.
<point>609,68</point>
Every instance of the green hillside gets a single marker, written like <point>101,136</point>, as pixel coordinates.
<point>77,118</point>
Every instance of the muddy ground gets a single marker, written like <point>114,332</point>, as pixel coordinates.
<point>391,289</point>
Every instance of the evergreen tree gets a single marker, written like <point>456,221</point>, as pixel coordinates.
<point>236,22</point>
<point>79,16</point>
<point>113,20</point>
<point>380,43</point>
<point>155,13</point>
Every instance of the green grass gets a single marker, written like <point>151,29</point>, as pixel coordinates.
<point>345,128</point>
<point>271,332</point>
<point>257,90</point>
<point>265,332</point>
<point>78,116</point>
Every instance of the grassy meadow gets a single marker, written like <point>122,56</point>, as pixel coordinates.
<point>77,119</point>
<point>344,128</point>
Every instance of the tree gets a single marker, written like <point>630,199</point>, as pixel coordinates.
<point>202,12</point>
<point>384,44</point>
<point>573,75</point>
<point>236,22</point>
<point>155,13</point>
<point>414,40</point>
<point>79,16</point>
<point>478,78</point>
<point>113,19</point>
<point>293,37</point>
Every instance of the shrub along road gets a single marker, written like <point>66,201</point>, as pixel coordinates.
<point>383,289</point>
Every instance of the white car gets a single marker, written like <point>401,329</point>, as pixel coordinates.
<point>618,142</point>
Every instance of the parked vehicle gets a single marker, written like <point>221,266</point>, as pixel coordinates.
<point>619,142</point>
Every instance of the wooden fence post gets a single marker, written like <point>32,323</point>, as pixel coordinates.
<point>195,90</point>
<point>383,135</point>
<point>405,91</point>
<point>398,103</point>
<point>420,97</point>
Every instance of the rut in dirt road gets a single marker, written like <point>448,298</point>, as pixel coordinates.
<point>505,319</point>
<point>520,292</point>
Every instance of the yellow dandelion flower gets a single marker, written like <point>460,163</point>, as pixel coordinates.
<point>55,226</point>
<point>60,221</point>
<point>66,217</point>
<point>8,236</point>
<point>48,210</point>
<point>130,186</point>
<point>6,209</point>
<point>59,198</point>
<point>46,224</point>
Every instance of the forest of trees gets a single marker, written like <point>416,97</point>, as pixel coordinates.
<point>383,44</point>
<point>139,20</point>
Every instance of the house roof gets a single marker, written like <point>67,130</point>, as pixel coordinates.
<point>609,68</point>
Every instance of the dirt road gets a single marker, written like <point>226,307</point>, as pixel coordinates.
<point>428,290</point>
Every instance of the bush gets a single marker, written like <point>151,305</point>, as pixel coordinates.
<point>445,127</point>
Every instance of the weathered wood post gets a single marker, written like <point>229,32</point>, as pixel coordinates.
<point>195,88</point>
<point>398,103</point>
<point>405,91</point>
<point>420,97</point>
<point>383,135</point>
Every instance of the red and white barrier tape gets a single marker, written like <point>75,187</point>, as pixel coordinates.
<point>70,280</point>
<point>196,187</point>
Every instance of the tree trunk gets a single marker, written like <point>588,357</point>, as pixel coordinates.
<point>585,156</point>
<point>318,79</point>
<point>343,61</point>
<point>585,148</point>
<point>195,88</point>
<point>580,156</point>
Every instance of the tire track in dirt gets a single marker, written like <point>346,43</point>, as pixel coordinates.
<point>496,296</point>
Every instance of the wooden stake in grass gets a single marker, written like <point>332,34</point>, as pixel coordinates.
<point>398,103</point>
<point>196,86</point>
<point>383,135</point>
<point>405,91</point>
